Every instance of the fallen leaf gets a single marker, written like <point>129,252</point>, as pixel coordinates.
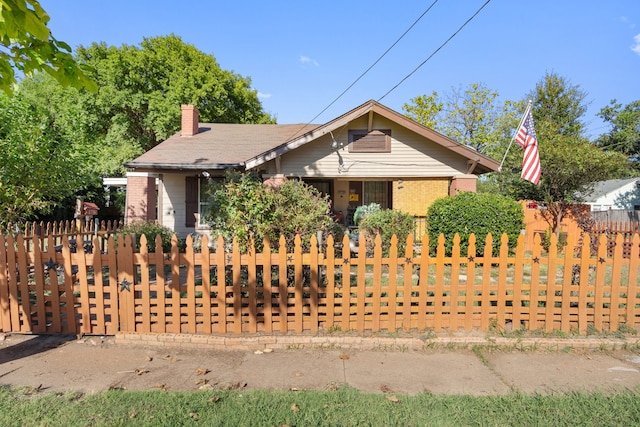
<point>299,374</point>
<point>385,388</point>
<point>202,381</point>
<point>393,399</point>
<point>205,387</point>
<point>141,371</point>
<point>202,371</point>
<point>258,352</point>
<point>162,386</point>
<point>214,399</point>
<point>295,408</point>
<point>268,350</point>
<point>193,415</point>
<point>237,385</point>
<point>344,356</point>
<point>149,358</point>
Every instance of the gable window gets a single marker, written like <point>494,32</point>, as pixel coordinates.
<point>376,141</point>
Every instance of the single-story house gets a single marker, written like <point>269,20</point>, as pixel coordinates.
<point>369,154</point>
<point>614,194</point>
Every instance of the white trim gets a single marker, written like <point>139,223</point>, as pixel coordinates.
<point>144,174</point>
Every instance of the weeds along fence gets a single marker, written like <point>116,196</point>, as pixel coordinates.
<point>220,290</point>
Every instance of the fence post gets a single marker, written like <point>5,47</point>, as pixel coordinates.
<point>206,284</point>
<point>632,287</point>
<point>266,286</point>
<point>470,297</point>
<point>126,284</point>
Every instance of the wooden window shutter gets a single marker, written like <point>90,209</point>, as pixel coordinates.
<point>191,201</point>
<point>376,141</point>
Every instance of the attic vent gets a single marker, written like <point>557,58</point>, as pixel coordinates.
<point>376,141</point>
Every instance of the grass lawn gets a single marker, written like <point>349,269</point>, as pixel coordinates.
<point>340,407</point>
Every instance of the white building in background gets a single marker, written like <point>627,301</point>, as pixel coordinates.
<point>615,194</point>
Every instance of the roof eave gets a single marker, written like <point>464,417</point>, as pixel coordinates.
<point>183,166</point>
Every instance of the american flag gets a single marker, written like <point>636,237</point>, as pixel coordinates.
<point>526,138</point>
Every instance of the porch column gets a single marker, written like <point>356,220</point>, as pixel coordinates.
<point>140,198</point>
<point>462,183</point>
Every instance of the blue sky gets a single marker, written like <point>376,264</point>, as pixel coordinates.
<point>300,55</point>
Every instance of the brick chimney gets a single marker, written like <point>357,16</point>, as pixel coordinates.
<point>190,118</point>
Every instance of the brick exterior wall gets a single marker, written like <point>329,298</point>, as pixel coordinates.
<point>463,183</point>
<point>141,199</point>
<point>414,196</point>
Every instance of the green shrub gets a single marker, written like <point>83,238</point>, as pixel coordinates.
<point>386,222</point>
<point>150,230</point>
<point>244,208</point>
<point>364,210</point>
<point>478,213</point>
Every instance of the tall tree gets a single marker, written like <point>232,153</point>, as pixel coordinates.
<point>570,163</point>
<point>469,116</point>
<point>38,166</point>
<point>140,92</point>
<point>142,88</point>
<point>27,45</point>
<point>624,136</point>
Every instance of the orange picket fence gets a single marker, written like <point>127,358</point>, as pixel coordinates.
<point>216,289</point>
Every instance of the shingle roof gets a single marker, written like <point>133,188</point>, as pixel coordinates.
<point>218,145</point>
<point>602,188</point>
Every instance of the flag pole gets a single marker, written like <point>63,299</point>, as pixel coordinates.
<point>524,116</point>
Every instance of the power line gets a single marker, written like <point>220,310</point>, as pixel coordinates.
<point>374,64</point>
<point>435,51</point>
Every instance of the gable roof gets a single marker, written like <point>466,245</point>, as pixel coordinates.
<point>603,188</point>
<point>251,145</point>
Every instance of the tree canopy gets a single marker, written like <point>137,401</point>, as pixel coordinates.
<point>27,45</point>
<point>142,88</point>
<point>570,163</point>
<point>470,116</point>
<point>624,136</point>
<point>39,167</point>
<point>138,101</point>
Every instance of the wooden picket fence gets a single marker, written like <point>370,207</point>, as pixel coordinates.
<point>220,290</point>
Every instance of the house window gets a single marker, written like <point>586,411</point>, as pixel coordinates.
<point>376,141</point>
<point>197,192</point>
<point>323,186</point>
<point>376,192</point>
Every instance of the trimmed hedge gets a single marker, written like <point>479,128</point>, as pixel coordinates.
<point>478,213</point>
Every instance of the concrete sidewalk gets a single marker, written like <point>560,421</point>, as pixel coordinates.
<point>472,365</point>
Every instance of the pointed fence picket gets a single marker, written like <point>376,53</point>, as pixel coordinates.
<point>47,288</point>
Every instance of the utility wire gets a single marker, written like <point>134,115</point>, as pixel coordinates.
<point>374,64</point>
<point>434,52</point>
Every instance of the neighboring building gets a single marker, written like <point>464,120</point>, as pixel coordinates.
<point>615,194</point>
<point>370,154</point>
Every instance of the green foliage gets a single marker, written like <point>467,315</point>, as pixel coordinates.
<point>364,210</point>
<point>39,168</point>
<point>481,214</point>
<point>29,46</point>
<point>244,208</point>
<point>570,163</point>
<point>150,230</point>
<point>424,109</point>
<point>624,136</point>
<point>142,88</point>
<point>468,116</point>
<point>386,223</point>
